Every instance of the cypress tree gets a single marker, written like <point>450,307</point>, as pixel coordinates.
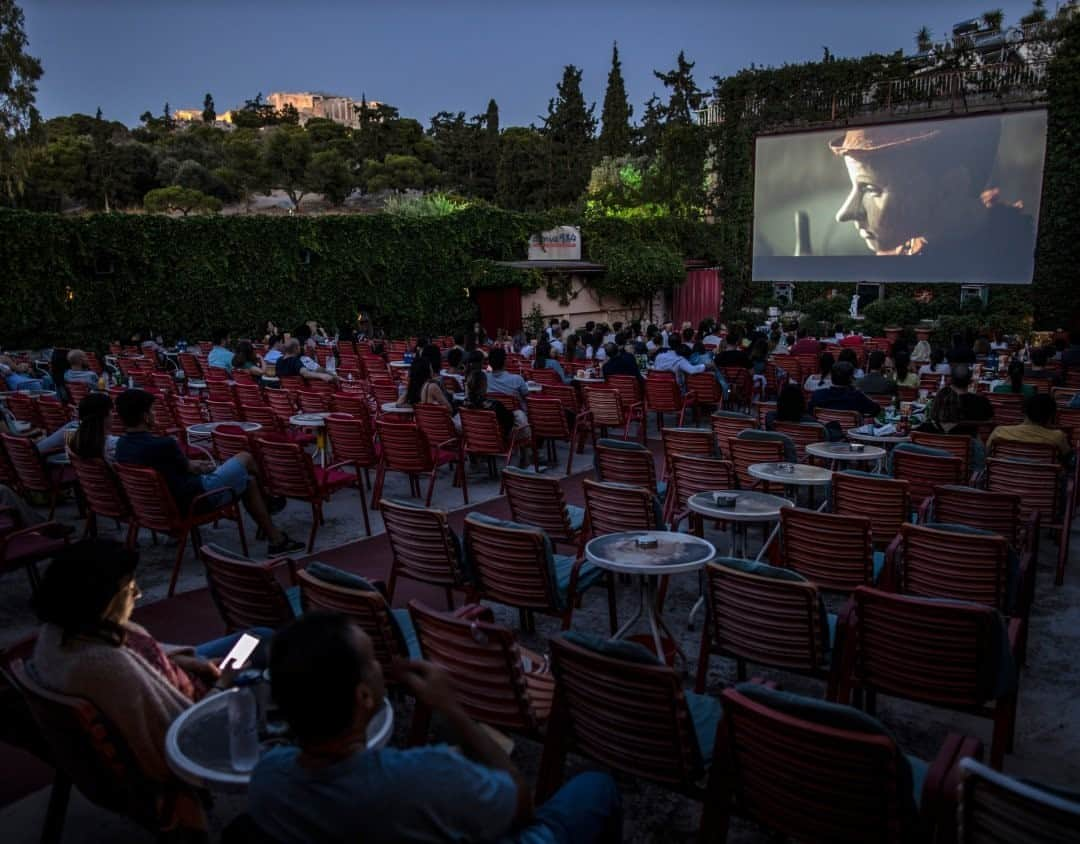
<point>615,133</point>
<point>569,128</point>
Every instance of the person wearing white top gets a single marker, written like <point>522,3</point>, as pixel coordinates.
<point>556,343</point>
<point>677,362</point>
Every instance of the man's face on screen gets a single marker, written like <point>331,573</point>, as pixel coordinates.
<point>891,205</point>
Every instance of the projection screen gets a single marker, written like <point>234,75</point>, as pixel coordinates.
<point>945,200</point>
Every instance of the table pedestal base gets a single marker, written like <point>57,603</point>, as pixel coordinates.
<point>655,621</point>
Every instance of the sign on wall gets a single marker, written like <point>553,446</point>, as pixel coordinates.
<point>562,243</point>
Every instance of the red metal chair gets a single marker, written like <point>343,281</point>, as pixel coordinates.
<point>957,446</point>
<point>262,415</point>
<point>707,392</point>
<point>681,441</point>
<point>102,491</point>
<point>24,408</point>
<point>543,376</point>
<point>385,392</point>
<point>248,593</point>
<point>951,654</point>
<point>925,471</point>
<point>188,412</point>
<point>632,390</point>
<point>282,405</point>
<point>834,551</point>
<point>662,395</point>
<point>1008,408</point>
<point>606,410</point>
<point>352,403</point>
<point>496,681</point>
<point>997,808</point>
<point>1043,488</point>
<point>846,419</point>
<point>352,438</point>
<point>324,589</point>
<point>744,453</point>
<point>616,508</point>
<point>1013,450</point>
<point>547,421</point>
<point>35,475</point>
<point>24,546</point>
<point>802,434</point>
<point>248,393</point>
<point>405,449</point>
<point>424,547</point>
<point>446,442</point>
<point>77,391</point>
<point>290,472</point>
<point>89,752</point>
<point>153,508</point>
<point>54,415</point>
<point>515,565</point>
<point>814,771</point>
<point>539,500</point>
<point>484,437</point>
<point>885,501</point>
<point>629,715</point>
<point>998,512</point>
<point>740,385</point>
<point>757,616</point>
<point>312,401</point>
<point>222,411</point>
<point>229,441</point>
<point>691,474</point>
<point>726,425</point>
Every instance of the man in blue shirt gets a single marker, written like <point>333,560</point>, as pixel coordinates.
<point>331,788</point>
<point>188,479</point>
<point>841,395</point>
<point>220,356</point>
<point>501,381</point>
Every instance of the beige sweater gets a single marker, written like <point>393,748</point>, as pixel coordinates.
<point>131,694</point>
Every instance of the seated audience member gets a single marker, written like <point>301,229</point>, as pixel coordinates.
<point>246,359</point>
<point>842,395</point>
<point>945,416</point>
<point>619,360</point>
<point>790,407</point>
<point>79,370</point>
<point>936,365</point>
<point>973,407</point>
<point>544,360</point>
<point>90,439</point>
<point>1038,370</point>
<point>476,398</point>
<point>501,381</point>
<point>18,376</point>
<point>220,356</point>
<point>329,787</point>
<point>874,381</point>
<point>556,342</point>
<point>88,647</point>
<point>291,363</point>
<point>594,348</point>
<point>961,351</point>
<point>823,377</point>
<point>733,354</point>
<point>273,349</point>
<point>805,345</point>
<point>417,387</point>
<point>904,377</point>
<point>1040,412</point>
<point>851,340</point>
<point>1015,384</point>
<point>848,355</point>
<point>678,361</point>
<point>454,367</point>
<point>187,479</point>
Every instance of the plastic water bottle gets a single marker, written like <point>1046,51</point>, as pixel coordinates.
<point>243,723</point>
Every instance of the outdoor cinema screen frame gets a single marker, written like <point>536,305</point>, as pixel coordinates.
<point>953,199</point>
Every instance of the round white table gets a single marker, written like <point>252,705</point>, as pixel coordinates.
<point>204,430</point>
<point>749,508</point>
<point>534,387</point>
<point>674,553</point>
<point>315,422</point>
<point>838,453</point>
<point>580,379</point>
<point>394,407</point>
<point>399,364</point>
<point>197,743</point>
<point>794,476</point>
<point>885,442</point>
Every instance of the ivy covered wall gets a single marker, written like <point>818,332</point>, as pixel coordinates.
<point>94,278</point>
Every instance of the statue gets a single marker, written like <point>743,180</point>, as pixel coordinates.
<point>854,310</point>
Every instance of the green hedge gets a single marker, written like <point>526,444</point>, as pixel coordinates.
<point>94,278</point>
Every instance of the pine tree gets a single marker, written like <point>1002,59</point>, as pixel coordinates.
<point>208,113</point>
<point>569,128</point>
<point>615,133</point>
<point>491,119</point>
<point>652,127</point>
<point>685,96</point>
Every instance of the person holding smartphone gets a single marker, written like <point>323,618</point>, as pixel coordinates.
<point>329,787</point>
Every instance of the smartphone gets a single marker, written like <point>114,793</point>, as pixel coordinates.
<point>241,652</point>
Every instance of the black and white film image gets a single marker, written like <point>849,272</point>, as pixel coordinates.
<point>943,200</point>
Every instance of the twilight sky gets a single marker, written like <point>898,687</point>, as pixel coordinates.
<point>424,56</point>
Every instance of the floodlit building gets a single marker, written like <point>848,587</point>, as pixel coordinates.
<point>311,104</point>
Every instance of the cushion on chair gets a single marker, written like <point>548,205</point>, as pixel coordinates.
<point>1012,560</point>
<point>913,448</point>
<point>334,478</point>
<point>588,576</point>
<point>339,577</point>
<point>841,717</point>
<point>791,454</point>
<point>293,594</point>
<point>406,633</point>
<point>612,648</point>
<point>705,712</point>
<point>576,515</point>
<point>879,564</point>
